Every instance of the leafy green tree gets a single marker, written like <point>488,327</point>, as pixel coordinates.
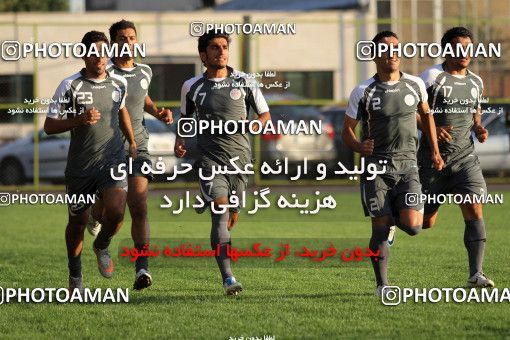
<point>33,5</point>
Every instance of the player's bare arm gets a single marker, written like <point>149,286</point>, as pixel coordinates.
<point>429,128</point>
<point>164,115</point>
<point>481,133</point>
<point>54,126</point>
<point>349,137</point>
<point>179,147</point>
<point>263,119</point>
<point>127,130</point>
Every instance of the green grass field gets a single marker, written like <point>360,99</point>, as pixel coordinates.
<point>284,302</point>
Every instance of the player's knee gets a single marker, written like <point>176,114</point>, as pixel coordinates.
<point>114,216</point>
<point>472,211</point>
<point>411,230</point>
<point>415,230</point>
<point>220,200</point>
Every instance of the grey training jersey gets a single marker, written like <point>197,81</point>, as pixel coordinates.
<point>387,111</point>
<point>96,145</point>
<point>138,79</point>
<point>453,99</point>
<point>217,99</point>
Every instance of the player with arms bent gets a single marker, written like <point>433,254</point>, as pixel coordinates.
<point>96,102</point>
<point>386,105</point>
<point>211,96</point>
<point>454,96</point>
<point>138,77</point>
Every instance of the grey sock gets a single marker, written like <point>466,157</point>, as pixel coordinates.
<point>474,240</point>
<point>380,263</point>
<point>221,236</point>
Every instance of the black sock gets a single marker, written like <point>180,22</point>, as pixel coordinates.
<point>474,240</point>
<point>221,236</point>
<point>74,264</point>
<point>142,262</point>
<point>103,240</point>
<point>378,242</point>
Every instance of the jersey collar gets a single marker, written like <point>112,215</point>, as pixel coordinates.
<point>391,82</point>
<point>122,69</point>
<point>230,70</point>
<point>82,73</point>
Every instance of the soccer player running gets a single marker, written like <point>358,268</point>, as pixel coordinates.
<point>138,77</point>
<point>93,102</point>
<point>211,96</point>
<point>454,96</point>
<point>386,105</point>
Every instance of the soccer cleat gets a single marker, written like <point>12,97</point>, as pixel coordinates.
<point>391,236</point>
<point>232,287</point>
<point>104,262</point>
<point>93,226</point>
<point>378,291</point>
<point>76,283</point>
<point>388,293</point>
<point>479,280</point>
<point>142,280</point>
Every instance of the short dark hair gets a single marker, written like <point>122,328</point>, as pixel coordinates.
<point>384,34</point>
<point>92,37</point>
<point>120,25</point>
<point>205,38</point>
<point>455,32</point>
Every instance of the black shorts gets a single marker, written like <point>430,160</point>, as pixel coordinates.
<point>95,182</point>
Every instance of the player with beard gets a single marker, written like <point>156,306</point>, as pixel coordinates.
<point>91,104</point>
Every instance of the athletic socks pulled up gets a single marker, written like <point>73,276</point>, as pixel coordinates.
<point>221,236</point>
<point>74,264</point>
<point>474,241</point>
<point>378,242</point>
<point>103,239</point>
<point>142,262</point>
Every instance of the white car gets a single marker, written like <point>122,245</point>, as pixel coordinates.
<point>494,153</point>
<point>17,157</point>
